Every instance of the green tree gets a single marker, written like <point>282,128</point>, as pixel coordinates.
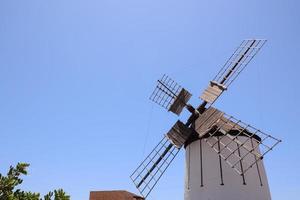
<point>12,179</point>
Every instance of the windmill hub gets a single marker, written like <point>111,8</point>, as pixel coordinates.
<point>223,154</point>
<point>192,110</point>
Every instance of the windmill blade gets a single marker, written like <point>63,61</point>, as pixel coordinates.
<point>239,144</point>
<point>237,62</point>
<point>243,54</point>
<point>170,95</point>
<point>146,176</point>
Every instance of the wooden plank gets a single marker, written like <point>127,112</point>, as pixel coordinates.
<point>179,134</point>
<point>212,92</point>
<point>207,120</point>
<point>180,101</point>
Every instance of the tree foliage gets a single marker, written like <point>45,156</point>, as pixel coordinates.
<point>12,179</point>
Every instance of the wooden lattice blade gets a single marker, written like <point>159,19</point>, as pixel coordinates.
<point>146,176</point>
<point>237,62</point>
<point>239,144</point>
<point>170,95</point>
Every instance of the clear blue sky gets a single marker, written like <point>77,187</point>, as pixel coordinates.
<point>75,77</point>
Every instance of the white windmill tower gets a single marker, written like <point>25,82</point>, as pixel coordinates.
<point>223,155</point>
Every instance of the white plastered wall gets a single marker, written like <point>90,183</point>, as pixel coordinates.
<point>210,187</point>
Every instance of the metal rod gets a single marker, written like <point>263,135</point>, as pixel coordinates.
<point>257,168</point>
<point>162,142</point>
<point>220,163</point>
<point>201,164</point>
<point>167,87</point>
<point>189,168</point>
<point>236,64</point>
<point>155,164</point>
<point>177,150</point>
<point>241,165</point>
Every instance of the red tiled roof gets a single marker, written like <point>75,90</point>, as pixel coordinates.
<point>114,195</point>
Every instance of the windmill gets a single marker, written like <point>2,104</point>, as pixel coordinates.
<point>223,154</point>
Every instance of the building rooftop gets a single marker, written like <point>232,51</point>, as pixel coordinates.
<point>114,195</point>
